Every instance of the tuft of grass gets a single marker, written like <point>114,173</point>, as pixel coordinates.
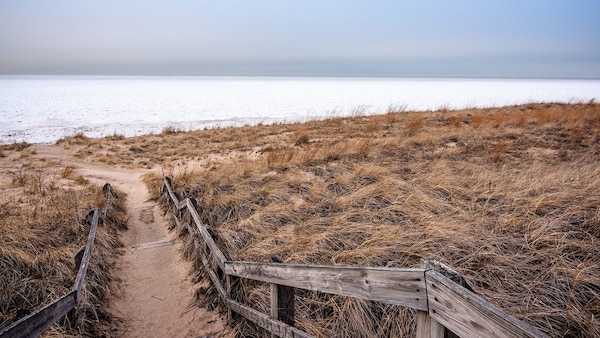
<point>302,139</point>
<point>359,111</point>
<point>414,124</point>
<point>76,140</point>
<point>16,146</point>
<point>169,130</point>
<point>67,171</point>
<point>499,151</point>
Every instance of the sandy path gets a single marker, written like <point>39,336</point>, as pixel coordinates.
<point>157,290</point>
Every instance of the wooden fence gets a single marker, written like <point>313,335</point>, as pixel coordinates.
<point>433,290</point>
<point>36,323</point>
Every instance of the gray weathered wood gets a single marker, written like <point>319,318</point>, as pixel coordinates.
<point>469,315</point>
<point>170,192</point>
<point>274,308</point>
<point>427,327</point>
<point>37,322</point>
<point>78,257</point>
<point>232,282</point>
<point>430,263</point>
<point>404,287</point>
<point>220,258</point>
<point>215,280</point>
<point>432,326</point>
<point>177,222</point>
<point>86,256</point>
<point>274,326</point>
<point>108,193</point>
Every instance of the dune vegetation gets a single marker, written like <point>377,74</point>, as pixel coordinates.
<point>42,212</point>
<point>506,196</point>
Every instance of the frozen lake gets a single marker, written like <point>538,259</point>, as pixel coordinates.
<point>42,109</point>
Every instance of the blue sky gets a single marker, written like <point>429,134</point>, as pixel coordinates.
<point>491,38</point>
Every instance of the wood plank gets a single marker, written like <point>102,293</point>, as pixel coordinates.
<point>229,281</point>
<point>432,264</point>
<point>177,222</point>
<point>403,287</point>
<point>267,323</point>
<point>428,327</point>
<point>37,322</point>
<point>108,192</point>
<point>215,280</point>
<point>154,244</point>
<point>274,304</point>
<point>86,255</point>
<point>216,252</point>
<point>469,315</point>
<point>220,258</point>
<point>170,192</point>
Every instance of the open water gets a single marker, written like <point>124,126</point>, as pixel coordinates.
<point>42,109</point>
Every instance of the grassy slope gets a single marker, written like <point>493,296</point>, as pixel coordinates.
<point>507,196</point>
<point>41,230</point>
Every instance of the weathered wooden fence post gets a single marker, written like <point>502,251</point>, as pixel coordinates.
<point>233,293</point>
<point>282,301</point>
<point>424,320</point>
<point>428,327</point>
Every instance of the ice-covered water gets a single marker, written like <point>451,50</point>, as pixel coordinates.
<point>42,109</point>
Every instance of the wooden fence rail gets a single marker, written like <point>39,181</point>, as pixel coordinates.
<point>432,290</point>
<point>36,323</point>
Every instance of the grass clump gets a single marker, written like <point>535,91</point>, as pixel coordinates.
<point>16,146</point>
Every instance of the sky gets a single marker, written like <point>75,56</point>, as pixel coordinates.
<point>381,38</point>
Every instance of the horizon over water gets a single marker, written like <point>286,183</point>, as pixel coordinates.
<point>44,108</point>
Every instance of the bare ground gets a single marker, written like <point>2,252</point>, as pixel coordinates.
<point>156,293</point>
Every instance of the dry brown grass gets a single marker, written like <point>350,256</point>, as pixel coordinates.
<point>41,230</point>
<point>507,196</point>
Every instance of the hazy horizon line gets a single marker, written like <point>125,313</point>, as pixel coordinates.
<point>357,76</point>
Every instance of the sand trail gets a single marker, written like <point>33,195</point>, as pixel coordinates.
<point>156,291</point>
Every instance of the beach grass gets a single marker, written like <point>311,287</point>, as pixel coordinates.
<point>42,210</point>
<point>506,196</point>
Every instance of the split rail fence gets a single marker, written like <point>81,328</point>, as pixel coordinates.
<point>36,323</point>
<point>444,306</point>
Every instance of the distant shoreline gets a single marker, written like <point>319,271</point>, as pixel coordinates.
<point>283,76</point>
<point>43,109</point>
